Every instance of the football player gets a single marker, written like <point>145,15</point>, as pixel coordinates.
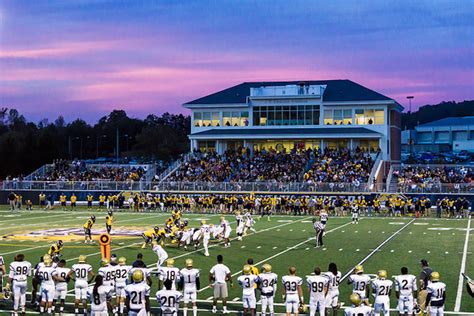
<point>140,265</point>
<point>360,282</point>
<point>169,299</point>
<point>318,288</point>
<point>121,277</point>
<point>138,295</point>
<point>436,295</point>
<point>247,282</point>
<point>189,282</point>
<point>87,229</point>
<point>319,230</point>
<point>292,292</point>
<point>249,222</point>
<point>48,276</point>
<point>405,290</point>
<point>20,270</point>
<point>61,286</point>
<point>149,236</point>
<point>107,272</point>
<point>382,289</point>
<point>355,213</point>
<point>357,308</point>
<point>109,219</point>
<point>334,277</point>
<point>226,230</point>
<point>160,252</point>
<point>82,273</point>
<point>240,225</point>
<point>267,286</point>
<point>170,272</point>
<point>100,296</point>
<point>206,236</point>
<point>55,250</point>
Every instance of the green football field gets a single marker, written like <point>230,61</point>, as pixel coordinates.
<point>378,243</point>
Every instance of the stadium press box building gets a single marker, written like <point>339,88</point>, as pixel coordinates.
<point>285,115</point>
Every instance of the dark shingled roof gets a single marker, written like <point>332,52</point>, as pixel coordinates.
<point>336,90</point>
<point>293,131</point>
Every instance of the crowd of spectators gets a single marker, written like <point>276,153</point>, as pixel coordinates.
<point>340,166</point>
<point>242,166</point>
<point>297,165</point>
<point>431,178</point>
<point>63,170</point>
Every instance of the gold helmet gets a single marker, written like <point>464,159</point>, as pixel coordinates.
<point>122,261</point>
<point>267,267</point>
<point>222,218</point>
<point>382,274</point>
<point>355,299</point>
<point>434,276</point>
<point>303,309</point>
<point>137,276</point>
<point>203,222</point>
<point>47,261</point>
<point>169,262</point>
<point>104,262</point>
<point>247,269</point>
<point>46,257</point>
<point>237,212</point>
<point>189,263</point>
<point>82,259</point>
<point>359,269</point>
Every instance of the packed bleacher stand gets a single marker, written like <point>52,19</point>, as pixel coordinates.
<point>63,170</point>
<point>340,166</point>
<point>242,166</point>
<point>419,178</point>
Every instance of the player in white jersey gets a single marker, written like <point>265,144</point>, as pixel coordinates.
<point>323,217</point>
<point>107,272</point>
<point>170,272</point>
<point>292,292</point>
<point>332,298</point>
<point>247,282</point>
<point>20,270</point>
<point>226,230</point>
<point>317,288</point>
<point>146,272</point>
<point>82,273</point>
<point>268,286</point>
<point>48,276</point>
<point>100,296</point>
<point>206,236</point>
<point>160,252</point>
<point>249,222</point>
<point>240,225</point>
<point>186,237</point>
<point>360,283</point>
<point>357,308</point>
<point>382,289</point>
<point>436,295</point>
<point>190,283</point>
<point>61,286</point>
<point>405,290</point>
<point>355,213</point>
<point>168,299</point>
<point>121,278</point>
<point>138,295</point>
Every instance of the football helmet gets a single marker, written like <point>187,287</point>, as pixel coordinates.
<point>434,276</point>
<point>359,269</point>
<point>189,263</point>
<point>382,274</point>
<point>247,269</point>
<point>169,262</point>
<point>302,308</point>
<point>137,276</point>
<point>122,261</point>
<point>82,259</point>
<point>267,267</point>
<point>93,217</point>
<point>355,299</point>
<point>104,262</point>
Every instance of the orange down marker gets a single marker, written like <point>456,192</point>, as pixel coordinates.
<point>104,241</point>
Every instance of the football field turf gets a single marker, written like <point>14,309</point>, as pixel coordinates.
<point>377,243</point>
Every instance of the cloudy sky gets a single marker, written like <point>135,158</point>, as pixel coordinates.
<point>85,58</point>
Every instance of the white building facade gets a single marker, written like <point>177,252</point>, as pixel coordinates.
<point>285,115</point>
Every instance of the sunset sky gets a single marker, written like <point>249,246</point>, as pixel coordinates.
<point>85,58</point>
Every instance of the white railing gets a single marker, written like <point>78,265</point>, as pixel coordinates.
<point>375,167</point>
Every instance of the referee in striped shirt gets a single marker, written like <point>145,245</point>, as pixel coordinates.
<point>319,228</point>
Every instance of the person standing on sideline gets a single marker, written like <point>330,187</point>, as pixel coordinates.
<point>219,275</point>
<point>424,279</point>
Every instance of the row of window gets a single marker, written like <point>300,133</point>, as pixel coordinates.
<point>289,115</point>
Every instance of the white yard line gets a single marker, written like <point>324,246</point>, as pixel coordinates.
<point>378,248</point>
<point>457,305</point>
<point>284,251</point>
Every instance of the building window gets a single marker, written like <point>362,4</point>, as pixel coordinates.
<point>369,117</point>
<point>328,117</point>
<point>226,119</point>
<point>215,119</point>
<point>197,119</point>
<point>206,119</point>
<point>286,115</point>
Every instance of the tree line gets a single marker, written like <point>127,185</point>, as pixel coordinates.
<point>26,146</point>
